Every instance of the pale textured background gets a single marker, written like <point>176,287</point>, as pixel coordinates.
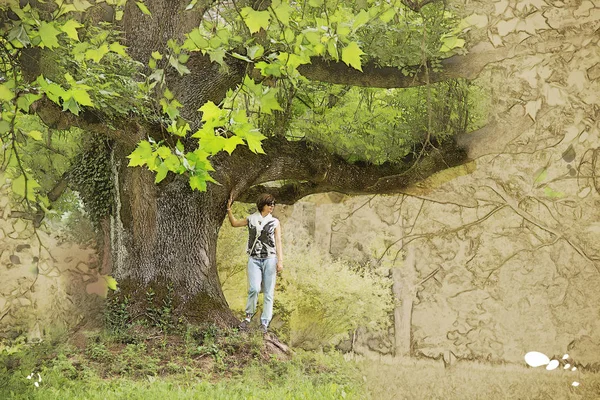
<point>46,283</point>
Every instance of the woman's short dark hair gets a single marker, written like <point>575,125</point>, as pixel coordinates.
<point>263,200</point>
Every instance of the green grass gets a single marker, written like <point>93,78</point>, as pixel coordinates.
<point>176,388</point>
<point>209,364</point>
<point>223,364</point>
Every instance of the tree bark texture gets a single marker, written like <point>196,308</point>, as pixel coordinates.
<point>166,235</point>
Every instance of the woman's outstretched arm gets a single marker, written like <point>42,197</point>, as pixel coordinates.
<point>236,223</point>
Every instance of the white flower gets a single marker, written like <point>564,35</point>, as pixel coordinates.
<point>565,356</point>
<point>37,384</point>
<point>574,369</point>
<point>567,366</point>
<point>536,359</point>
<point>552,365</point>
<point>575,383</point>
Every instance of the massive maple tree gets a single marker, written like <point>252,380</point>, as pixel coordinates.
<point>198,106</point>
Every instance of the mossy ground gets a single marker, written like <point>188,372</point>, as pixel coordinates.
<point>207,363</point>
<point>212,363</point>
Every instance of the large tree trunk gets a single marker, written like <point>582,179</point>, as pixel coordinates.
<point>404,297</point>
<point>164,239</point>
<point>404,289</point>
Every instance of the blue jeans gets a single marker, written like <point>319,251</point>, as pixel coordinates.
<point>261,272</point>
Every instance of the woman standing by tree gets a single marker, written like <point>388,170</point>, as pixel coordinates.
<point>265,257</point>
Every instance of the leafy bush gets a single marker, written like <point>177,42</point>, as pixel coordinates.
<point>318,300</point>
<point>327,298</point>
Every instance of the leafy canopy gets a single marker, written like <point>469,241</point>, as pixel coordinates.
<point>91,70</point>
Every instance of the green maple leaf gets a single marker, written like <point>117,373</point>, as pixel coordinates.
<point>71,105</point>
<point>332,49</point>
<point>111,282</point>
<point>200,160</point>
<point>217,55</point>
<point>388,14</point>
<point>282,11</point>
<point>82,97</point>
<point>118,48</point>
<point>195,41</point>
<point>4,127</point>
<point>351,55</point>
<point>70,28</point>
<point>268,102</point>
<point>141,154</point>
<point>20,34</point>
<point>197,182</point>
<point>213,144</point>
<point>255,52</point>
<point>268,69</point>
<point>24,102</point>
<point>360,19</point>
<point>161,172</point>
<point>254,139</point>
<point>81,5</point>
<point>208,128</point>
<point>291,60</point>
<point>182,69</point>
<point>211,112</point>
<point>79,51</point>
<point>48,34</point>
<point>173,163</point>
<point>252,87</point>
<point>35,135</point>
<point>18,187</point>
<point>143,7</point>
<point>5,93</point>
<point>96,54</point>
<point>312,35</point>
<point>54,92</point>
<point>451,42</point>
<point>255,20</point>
<point>231,143</point>
<point>164,152</point>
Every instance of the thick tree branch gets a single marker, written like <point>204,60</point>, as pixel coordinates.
<point>285,194</point>
<point>55,118</point>
<point>467,66</point>
<point>315,170</point>
<point>460,66</point>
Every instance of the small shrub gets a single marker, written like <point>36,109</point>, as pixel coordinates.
<point>98,352</point>
<point>161,315</point>
<point>117,316</point>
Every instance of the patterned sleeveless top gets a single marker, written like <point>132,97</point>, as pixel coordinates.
<point>261,235</point>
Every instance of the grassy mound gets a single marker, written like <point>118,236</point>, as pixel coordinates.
<point>201,363</point>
